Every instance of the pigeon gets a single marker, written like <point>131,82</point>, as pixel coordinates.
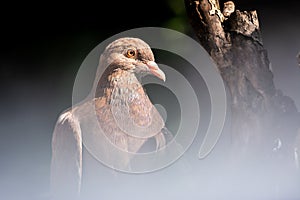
<point>117,112</point>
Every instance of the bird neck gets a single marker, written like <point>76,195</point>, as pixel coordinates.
<point>119,84</point>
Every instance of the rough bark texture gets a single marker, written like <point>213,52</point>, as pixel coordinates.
<point>262,116</point>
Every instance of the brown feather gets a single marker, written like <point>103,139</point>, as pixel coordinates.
<point>119,109</point>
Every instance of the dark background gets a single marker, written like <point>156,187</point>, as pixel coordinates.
<point>42,47</point>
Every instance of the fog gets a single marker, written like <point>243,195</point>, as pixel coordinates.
<point>33,95</point>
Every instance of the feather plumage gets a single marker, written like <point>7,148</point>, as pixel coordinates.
<point>120,114</point>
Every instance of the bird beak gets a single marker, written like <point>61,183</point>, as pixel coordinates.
<point>154,69</point>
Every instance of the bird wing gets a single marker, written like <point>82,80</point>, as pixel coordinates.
<point>66,164</point>
<point>78,126</point>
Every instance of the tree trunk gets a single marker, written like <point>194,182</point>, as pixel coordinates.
<point>264,121</point>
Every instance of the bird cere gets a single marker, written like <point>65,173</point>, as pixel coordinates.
<point>125,117</point>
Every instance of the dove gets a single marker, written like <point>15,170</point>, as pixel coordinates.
<point>117,112</point>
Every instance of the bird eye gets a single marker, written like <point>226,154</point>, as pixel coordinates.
<point>131,53</point>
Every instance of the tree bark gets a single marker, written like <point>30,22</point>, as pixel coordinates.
<point>262,117</point>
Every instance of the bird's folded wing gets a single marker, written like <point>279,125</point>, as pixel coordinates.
<point>66,164</point>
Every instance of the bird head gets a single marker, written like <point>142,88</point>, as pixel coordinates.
<point>132,55</point>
